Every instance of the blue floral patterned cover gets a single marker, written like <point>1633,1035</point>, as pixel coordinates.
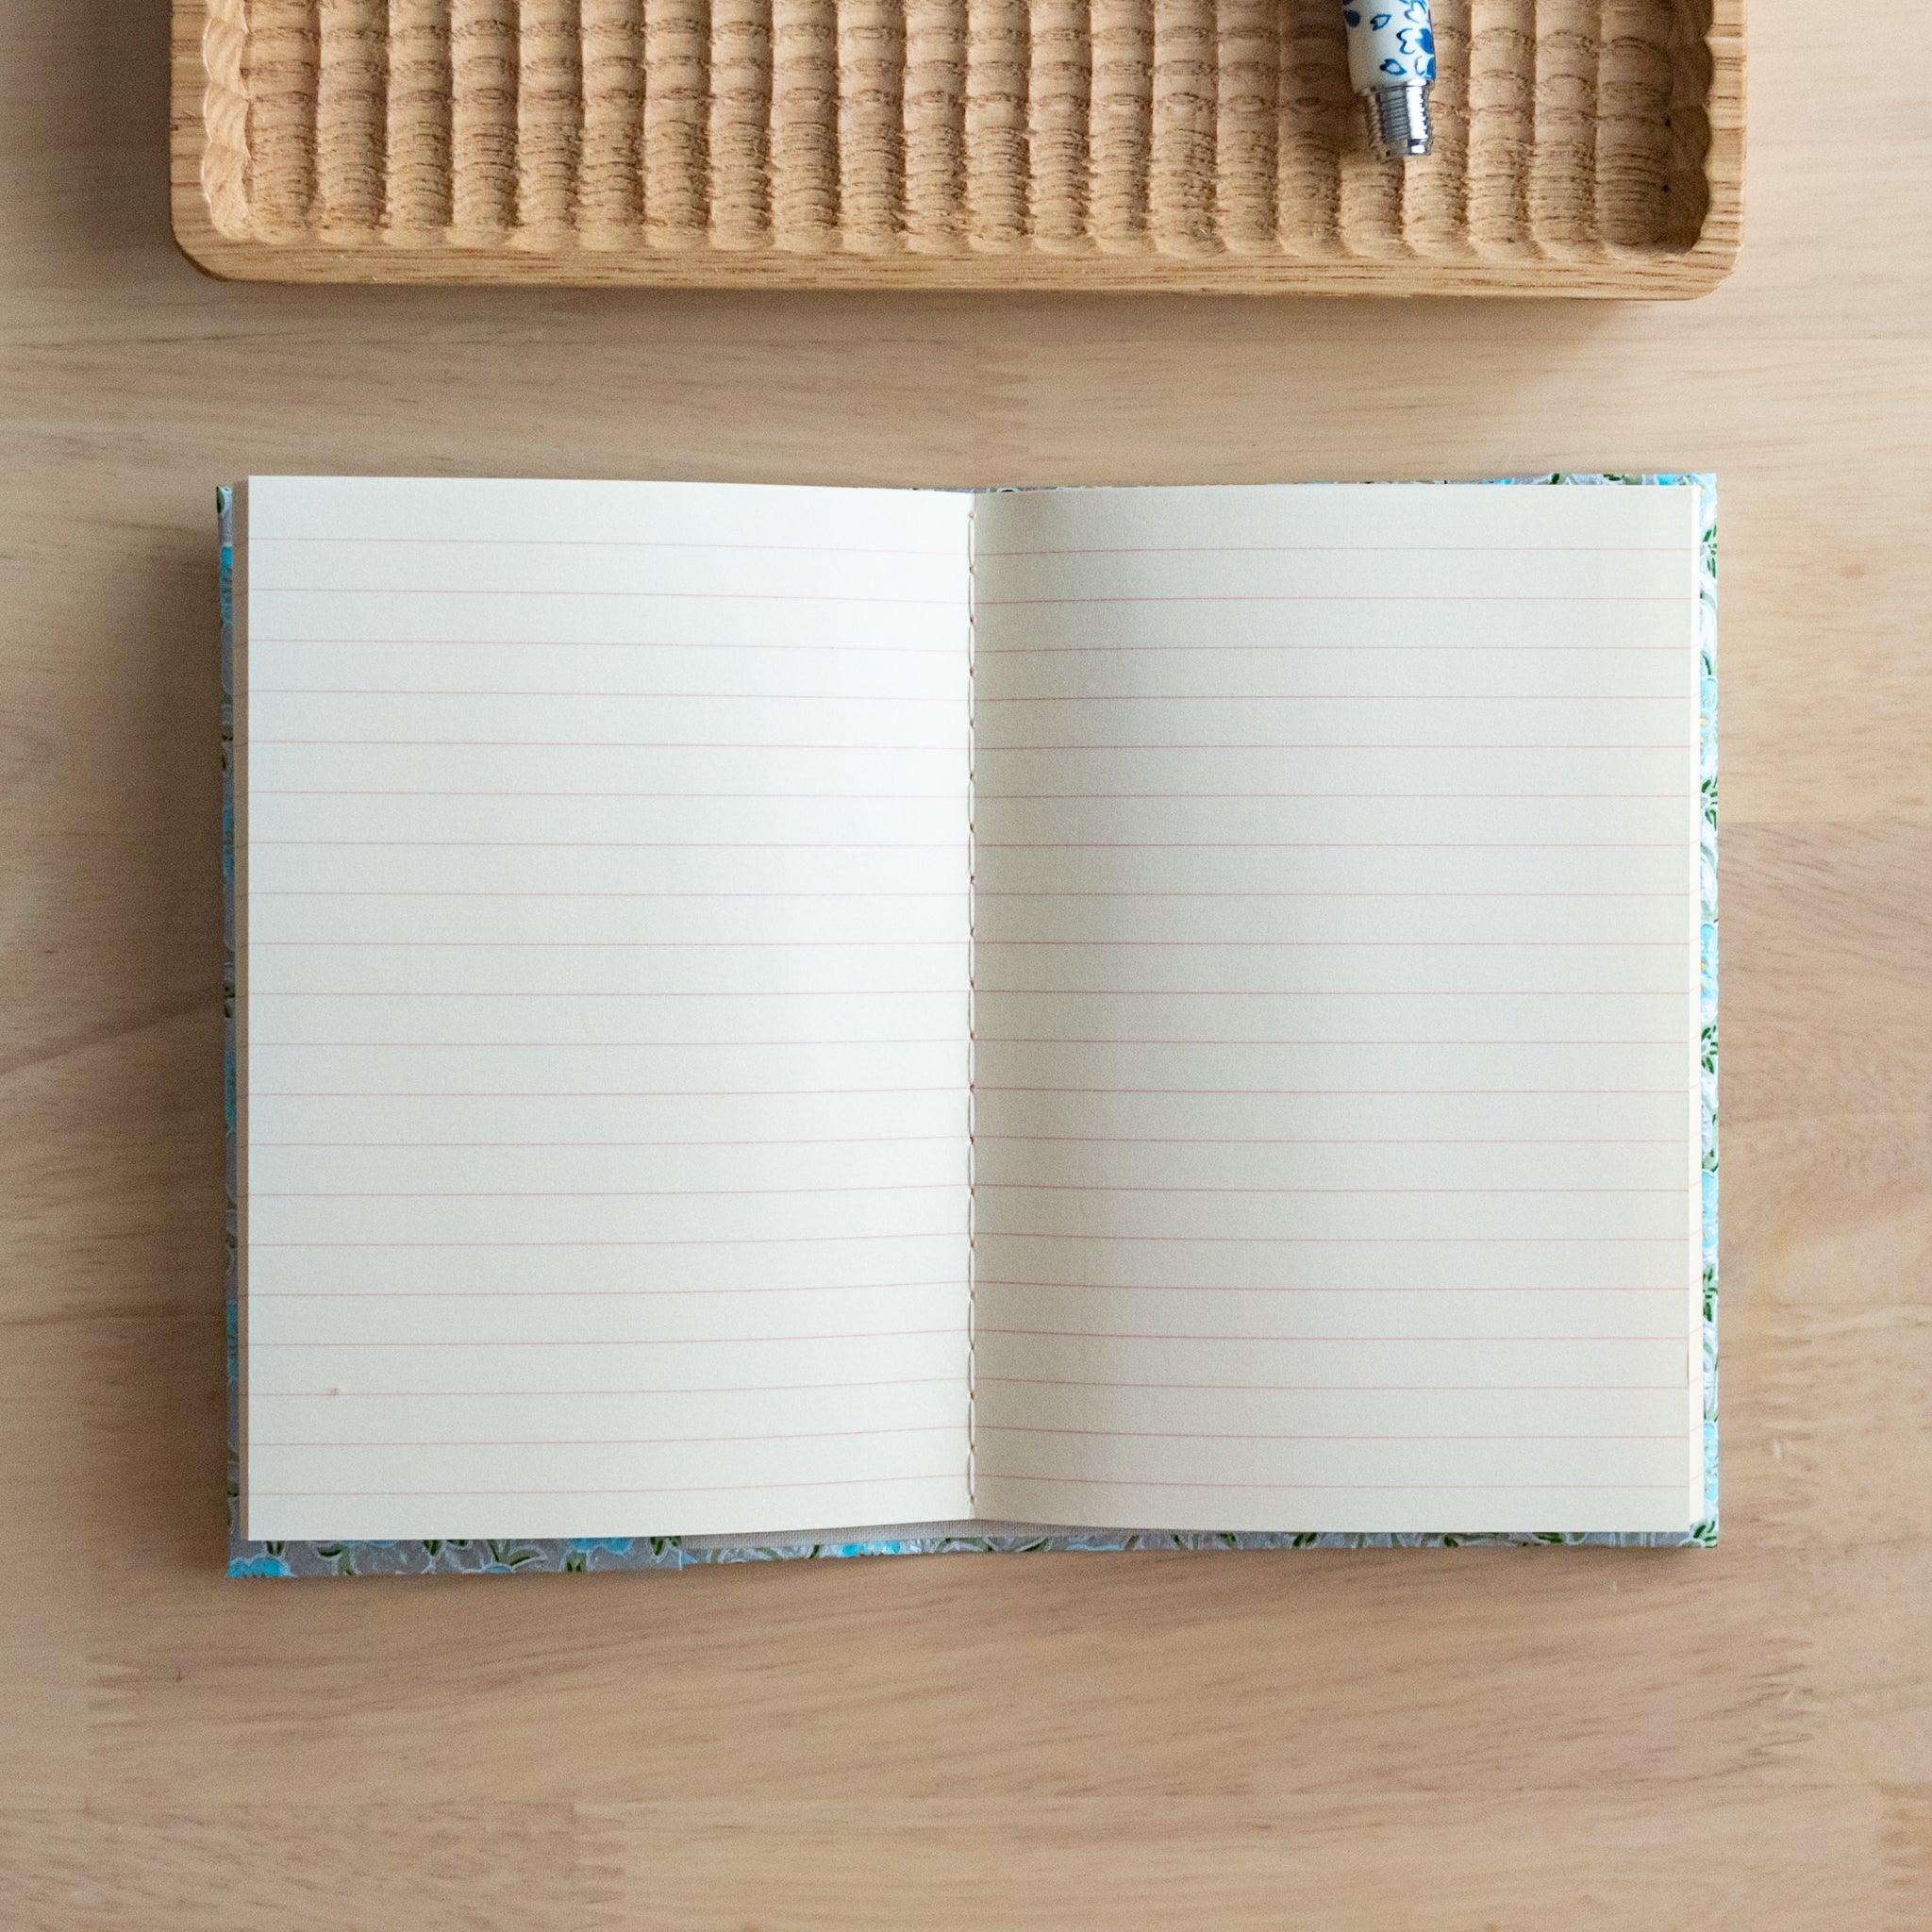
<point>474,1557</point>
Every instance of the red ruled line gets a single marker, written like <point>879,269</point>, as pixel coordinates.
<point>1207,945</point>
<point>1301,893</point>
<point>597,1045</point>
<point>1284,1241</point>
<point>712,1193</point>
<point>833,1141</point>
<point>546,1394</point>
<point>1082,797</point>
<point>1334,597</point>
<point>1264,697</point>
<point>1009,1475</point>
<point>845,1482</point>
<point>1045,1040</point>
<point>635,845</point>
<point>637,1341</point>
<point>573,590</point>
<point>1248,1287</point>
<point>612,745</point>
<point>1359,1093</point>
<point>466,893</point>
<point>1325,744</point>
<point>655,697</point>
<point>1333,550</point>
<point>539,1294</point>
<point>1151,1188</point>
<point>1213,844</point>
<point>1082,650</point>
<point>256,1443</point>
<point>1221,1435</point>
<point>1295,1141</point>
<point>705,945</point>
<point>762,1240</point>
<point>261,643</point>
<point>1349,1388</point>
<point>606,1094</point>
<point>255,540</point>
<point>681,797</point>
<point>1299,1340</point>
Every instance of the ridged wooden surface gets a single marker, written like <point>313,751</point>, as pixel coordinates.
<point>1590,144</point>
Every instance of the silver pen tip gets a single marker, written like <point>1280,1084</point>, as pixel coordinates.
<point>1398,121</point>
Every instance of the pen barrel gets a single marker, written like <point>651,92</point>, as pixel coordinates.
<point>1391,44</point>
<point>1391,64</point>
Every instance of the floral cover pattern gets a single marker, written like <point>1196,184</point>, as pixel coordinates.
<point>497,1558</point>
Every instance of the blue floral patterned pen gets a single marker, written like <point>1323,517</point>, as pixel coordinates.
<point>1391,64</point>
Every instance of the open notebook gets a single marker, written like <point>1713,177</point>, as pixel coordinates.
<point>762,1010</point>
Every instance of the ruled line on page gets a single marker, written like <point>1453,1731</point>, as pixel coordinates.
<point>756,1240</point>
<point>778,992</point>
<point>592,1093</point>
<point>1350,1290</point>
<point>614,644</point>
<point>1376,1340</point>
<point>620,1441</point>
<point>1360,1092</point>
<point>1116,649</point>
<point>984,797</point>
<point>1343,1141</point>
<point>829,1140</point>
<point>636,845</point>
<point>1204,1040</point>
<point>1288,844</point>
<point>1313,745</point>
<point>654,697</point>
<point>1141,1188</point>
<point>1330,1241</point>
<point>564,1294</point>
<point>547,1394</point>
<point>985,602</point>
<point>1372,550</point>
<point>1310,1436</point>
<point>1341,1387</point>
<point>681,797</point>
<point>1414,946</point>
<point>643,946</point>
<point>1479,1486</point>
<point>550,590</point>
<point>603,745</point>
<point>826,1482</point>
<point>605,544</point>
<point>635,1341</point>
<point>531,892</point>
<point>630,1194</point>
<point>1307,697</point>
<point>598,1045</point>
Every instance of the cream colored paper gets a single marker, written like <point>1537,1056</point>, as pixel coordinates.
<point>1336,1009</point>
<point>605,889</point>
<point>604,1007</point>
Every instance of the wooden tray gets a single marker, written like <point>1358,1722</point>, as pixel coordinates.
<point>1588,147</point>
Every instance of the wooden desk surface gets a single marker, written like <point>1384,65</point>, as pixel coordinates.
<point>1577,1739</point>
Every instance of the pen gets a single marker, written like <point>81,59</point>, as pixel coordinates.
<point>1392,65</point>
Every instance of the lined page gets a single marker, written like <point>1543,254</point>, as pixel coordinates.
<point>604,1007</point>
<point>1336,1025</point>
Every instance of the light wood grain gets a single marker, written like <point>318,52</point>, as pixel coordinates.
<point>1734,1738</point>
<point>1585,147</point>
